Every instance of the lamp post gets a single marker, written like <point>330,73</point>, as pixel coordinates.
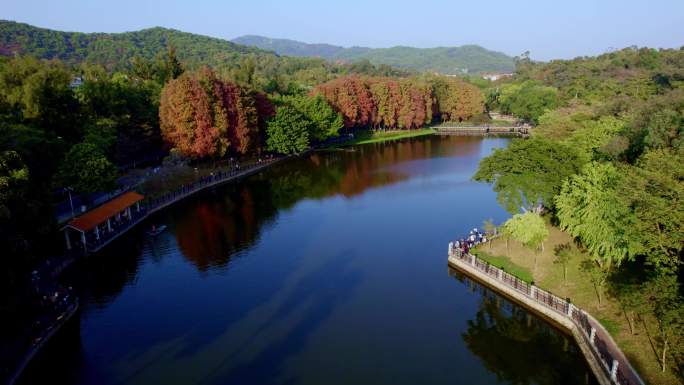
<point>70,201</point>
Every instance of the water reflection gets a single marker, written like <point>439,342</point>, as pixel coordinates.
<point>211,228</point>
<point>325,269</point>
<point>519,347</point>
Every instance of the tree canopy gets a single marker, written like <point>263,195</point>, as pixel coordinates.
<point>529,172</point>
<point>288,131</point>
<point>203,116</point>
<point>86,169</point>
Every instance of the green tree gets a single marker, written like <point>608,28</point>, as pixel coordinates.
<point>626,285</point>
<point>490,229</point>
<point>14,176</point>
<point>529,229</point>
<point>173,66</point>
<point>654,190</point>
<point>598,275</point>
<point>246,70</point>
<point>37,92</point>
<point>529,173</point>
<point>288,131</point>
<point>528,100</point>
<point>590,207</point>
<point>563,253</point>
<point>86,169</point>
<point>593,135</point>
<point>667,304</point>
<point>326,122</point>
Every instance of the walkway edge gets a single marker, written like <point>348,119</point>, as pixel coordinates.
<point>39,346</point>
<point>595,365</point>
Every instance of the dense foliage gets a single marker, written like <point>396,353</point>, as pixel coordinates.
<point>529,173</point>
<point>203,116</point>
<point>288,131</point>
<point>618,188</point>
<point>401,103</point>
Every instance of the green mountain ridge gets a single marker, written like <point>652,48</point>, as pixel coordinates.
<point>447,60</point>
<point>114,50</point>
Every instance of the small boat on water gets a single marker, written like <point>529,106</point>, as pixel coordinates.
<point>156,230</point>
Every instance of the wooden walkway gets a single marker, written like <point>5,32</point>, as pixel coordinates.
<point>605,358</point>
<point>482,130</point>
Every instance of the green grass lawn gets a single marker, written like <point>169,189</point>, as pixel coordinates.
<point>369,136</point>
<point>506,264</point>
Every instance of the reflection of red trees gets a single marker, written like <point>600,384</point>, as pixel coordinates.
<point>204,116</point>
<point>211,232</point>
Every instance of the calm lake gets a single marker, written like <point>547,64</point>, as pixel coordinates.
<point>328,269</point>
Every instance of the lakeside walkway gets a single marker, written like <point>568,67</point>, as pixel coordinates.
<point>609,364</point>
<point>45,274</point>
<point>151,206</point>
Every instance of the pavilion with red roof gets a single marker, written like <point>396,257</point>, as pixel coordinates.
<point>102,222</point>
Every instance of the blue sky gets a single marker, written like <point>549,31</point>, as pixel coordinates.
<point>548,29</point>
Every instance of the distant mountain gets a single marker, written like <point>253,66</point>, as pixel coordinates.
<point>294,48</point>
<point>114,50</point>
<point>448,60</point>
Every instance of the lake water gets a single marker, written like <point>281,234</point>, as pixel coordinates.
<point>328,269</point>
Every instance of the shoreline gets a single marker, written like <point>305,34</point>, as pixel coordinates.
<point>68,260</point>
<point>594,341</point>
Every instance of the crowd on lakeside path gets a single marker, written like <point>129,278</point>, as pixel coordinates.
<point>473,239</point>
<point>53,302</point>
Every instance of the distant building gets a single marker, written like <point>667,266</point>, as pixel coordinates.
<point>494,76</point>
<point>76,82</point>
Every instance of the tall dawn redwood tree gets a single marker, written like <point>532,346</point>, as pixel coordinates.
<point>203,116</point>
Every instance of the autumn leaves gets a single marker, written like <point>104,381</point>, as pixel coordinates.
<point>204,116</point>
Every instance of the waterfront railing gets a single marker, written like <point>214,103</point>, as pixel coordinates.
<point>602,346</point>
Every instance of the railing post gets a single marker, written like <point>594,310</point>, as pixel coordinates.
<point>451,248</point>
<point>532,290</point>
<point>592,335</point>
<point>472,259</point>
<point>499,275</point>
<point>613,371</point>
<point>569,310</point>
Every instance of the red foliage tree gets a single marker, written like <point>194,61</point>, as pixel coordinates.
<point>381,102</point>
<point>203,116</point>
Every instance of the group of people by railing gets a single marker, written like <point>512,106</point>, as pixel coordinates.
<point>51,306</point>
<point>602,346</point>
<point>473,239</point>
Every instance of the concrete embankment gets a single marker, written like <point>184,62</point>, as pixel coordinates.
<point>605,359</point>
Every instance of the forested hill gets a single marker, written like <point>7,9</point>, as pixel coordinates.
<point>114,50</point>
<point>448,60</point>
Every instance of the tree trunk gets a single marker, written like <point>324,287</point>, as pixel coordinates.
<point>565,272</point>
<point>508,250</point>
<point>664,352</point>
